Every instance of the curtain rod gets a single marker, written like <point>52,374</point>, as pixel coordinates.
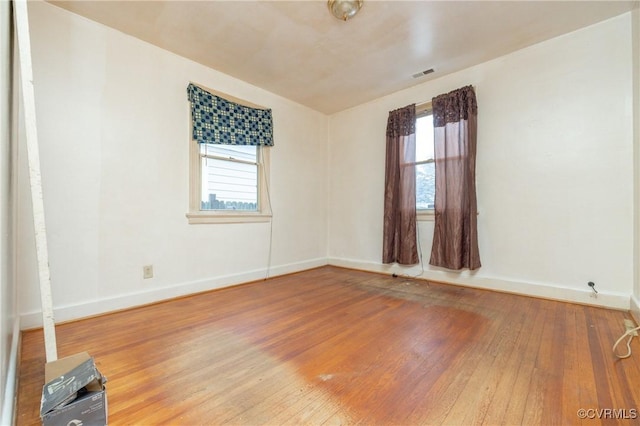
<point>428,102</point>
<point>229,97</point>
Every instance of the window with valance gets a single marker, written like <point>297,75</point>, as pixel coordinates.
<point>229,153</point>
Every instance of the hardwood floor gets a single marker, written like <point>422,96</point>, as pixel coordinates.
<point>336,346</point>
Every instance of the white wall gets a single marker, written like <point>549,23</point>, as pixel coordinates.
<point>6,285</point>
<point>554,170</point>
<point>113,123</point>
<point>635,301</point>
<point>9,323</point>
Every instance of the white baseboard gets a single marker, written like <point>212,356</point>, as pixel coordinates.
<point>101,306</point>
<point>11,385</point>
<point>470,279</point>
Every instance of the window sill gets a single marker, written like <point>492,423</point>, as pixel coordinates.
<point>204,217</point>
<point>426,215</point>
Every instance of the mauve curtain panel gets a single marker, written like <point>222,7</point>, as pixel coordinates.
<point>399,244</point>
<point>455,239</point>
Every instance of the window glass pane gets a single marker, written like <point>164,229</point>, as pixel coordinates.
<point>425,172</point>
<point>424,138</point>
<point>229,185</point>
<point>239,152</point>
<point>425,186</point>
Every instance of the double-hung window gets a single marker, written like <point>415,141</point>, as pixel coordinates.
<point>230,176</point>
<point>425,162</point>
<point>229,160</point>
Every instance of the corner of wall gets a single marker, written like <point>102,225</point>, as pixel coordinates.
<point>11,384</point>
<point>635,308</point>
<point>9,321</point>
<point>635,43</point>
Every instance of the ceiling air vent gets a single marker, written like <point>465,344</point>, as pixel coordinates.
<point>423,73</point>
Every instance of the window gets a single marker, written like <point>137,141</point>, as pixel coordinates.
<point>229,176</point>
<point>228,183</point>
<point>228,158</point>
<point>425,163</point>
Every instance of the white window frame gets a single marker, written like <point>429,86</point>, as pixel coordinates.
<point>198,216</point>
<point>424,214</point>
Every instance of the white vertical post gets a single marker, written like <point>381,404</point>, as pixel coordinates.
<point>35,178</point>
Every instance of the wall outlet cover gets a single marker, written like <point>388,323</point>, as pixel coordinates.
<point>630,325</point>
<point>147,271</point>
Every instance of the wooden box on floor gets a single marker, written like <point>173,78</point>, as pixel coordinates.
<point>74,393</point>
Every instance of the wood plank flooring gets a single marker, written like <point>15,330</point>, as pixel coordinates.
<point>337,346</point>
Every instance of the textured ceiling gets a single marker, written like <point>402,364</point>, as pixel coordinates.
<point>299,51</point>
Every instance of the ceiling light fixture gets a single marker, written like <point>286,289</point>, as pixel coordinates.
<point>344,9</point>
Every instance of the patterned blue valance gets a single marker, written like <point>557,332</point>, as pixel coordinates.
<point>219,121</point>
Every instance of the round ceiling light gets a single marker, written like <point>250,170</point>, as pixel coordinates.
<point>344,9</point>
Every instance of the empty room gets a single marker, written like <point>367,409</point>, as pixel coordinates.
<point>320,212</point>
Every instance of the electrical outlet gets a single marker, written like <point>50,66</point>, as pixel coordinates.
<point>629,325</point>
<point>147,271</point>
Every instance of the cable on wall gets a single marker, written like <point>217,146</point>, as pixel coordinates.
<point>419,257</point>
<point>266,185</point>
<point>419,253</point>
